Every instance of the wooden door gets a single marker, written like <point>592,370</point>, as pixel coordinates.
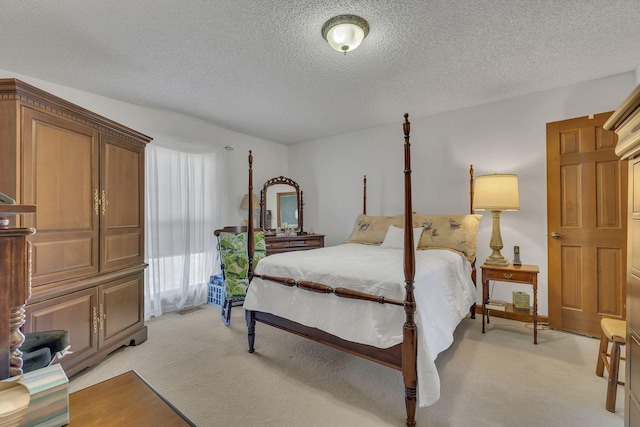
<point>587,225</point>
<point>122,204</point>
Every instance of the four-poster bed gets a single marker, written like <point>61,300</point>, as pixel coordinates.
<point>372,331</point>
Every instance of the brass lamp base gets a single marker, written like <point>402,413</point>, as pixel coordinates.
<point>496,258</point>
<point>495,244</point>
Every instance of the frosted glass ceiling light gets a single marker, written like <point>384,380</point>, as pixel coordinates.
<point>344,33</point>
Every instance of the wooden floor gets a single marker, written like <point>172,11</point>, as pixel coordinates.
<point>125,400</point>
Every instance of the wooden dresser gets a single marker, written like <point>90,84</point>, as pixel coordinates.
<point>85,174</point>
<point>625,121</point>
<point>279,244</point>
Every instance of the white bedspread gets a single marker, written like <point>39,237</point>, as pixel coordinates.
<point>444,293</point>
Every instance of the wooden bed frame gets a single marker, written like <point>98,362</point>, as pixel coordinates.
<point>403,356</point>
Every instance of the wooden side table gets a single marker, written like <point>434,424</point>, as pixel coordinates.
<point>527,274</point>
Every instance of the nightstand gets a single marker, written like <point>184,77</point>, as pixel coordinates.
<point>526,274</point>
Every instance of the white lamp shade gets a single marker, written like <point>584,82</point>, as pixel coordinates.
<point>245,202</point>
<point>497,192</point>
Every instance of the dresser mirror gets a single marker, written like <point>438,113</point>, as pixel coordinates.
<point>281,205</point>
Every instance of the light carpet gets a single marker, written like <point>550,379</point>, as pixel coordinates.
<point>495,379</point>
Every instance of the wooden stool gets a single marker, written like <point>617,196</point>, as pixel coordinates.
<point>614,331</point>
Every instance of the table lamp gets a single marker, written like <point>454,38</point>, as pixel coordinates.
<point>496,193</point>
<point>255,204</point>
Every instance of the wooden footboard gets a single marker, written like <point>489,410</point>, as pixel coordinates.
<point>391,357</point>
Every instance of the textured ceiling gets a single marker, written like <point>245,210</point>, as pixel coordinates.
<point>261,67</point>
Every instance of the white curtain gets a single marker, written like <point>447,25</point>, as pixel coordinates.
<point>184,194</point>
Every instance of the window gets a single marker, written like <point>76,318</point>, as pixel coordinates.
<point>183,199</point>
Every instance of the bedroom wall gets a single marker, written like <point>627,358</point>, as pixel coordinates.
<point>186,133</point>
<point>504,137</point>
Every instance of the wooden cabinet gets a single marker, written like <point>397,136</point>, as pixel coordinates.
<point>625,121</point>
<point>97,318</point>
<point>85,173</point>
<point>279,244</point>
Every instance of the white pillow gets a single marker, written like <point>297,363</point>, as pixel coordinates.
<point>394,238</point>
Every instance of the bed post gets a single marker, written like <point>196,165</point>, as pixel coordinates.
<point>300,215</point>
<point>473,264</point>
<point>249,315</point>
<point>250,236</point>
<point>471,189</point>
<point>263,202</point>
<point>409,340</point>
<point>364,196</point>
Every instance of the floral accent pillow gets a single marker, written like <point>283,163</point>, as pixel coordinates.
<point>371,230</point>
<point>233,251</point>
<point>457,232</point>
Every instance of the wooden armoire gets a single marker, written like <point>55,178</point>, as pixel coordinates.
<point>625,121</point>
<point>85,174</point>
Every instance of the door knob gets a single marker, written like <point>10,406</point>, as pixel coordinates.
<point>557,235</point>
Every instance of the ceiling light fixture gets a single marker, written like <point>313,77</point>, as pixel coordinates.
<point>344,33</point>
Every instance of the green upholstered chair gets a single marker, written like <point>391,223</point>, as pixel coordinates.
<point>234,260</point>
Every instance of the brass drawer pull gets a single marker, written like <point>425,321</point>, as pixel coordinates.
<point>508,275</point>
<point>104,203</point>
<point>96,201</point>
<point>102,317</point>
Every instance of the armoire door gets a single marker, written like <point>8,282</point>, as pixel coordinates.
<point>122,204</point>
<point>587,225</point>
<point>76,313</point>
<point>60,176</point>
<point>121,308</point>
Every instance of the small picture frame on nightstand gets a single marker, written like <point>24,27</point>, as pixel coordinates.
<point>521,300</point>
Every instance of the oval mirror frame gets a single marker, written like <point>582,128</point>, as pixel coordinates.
<point>280,180</point>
